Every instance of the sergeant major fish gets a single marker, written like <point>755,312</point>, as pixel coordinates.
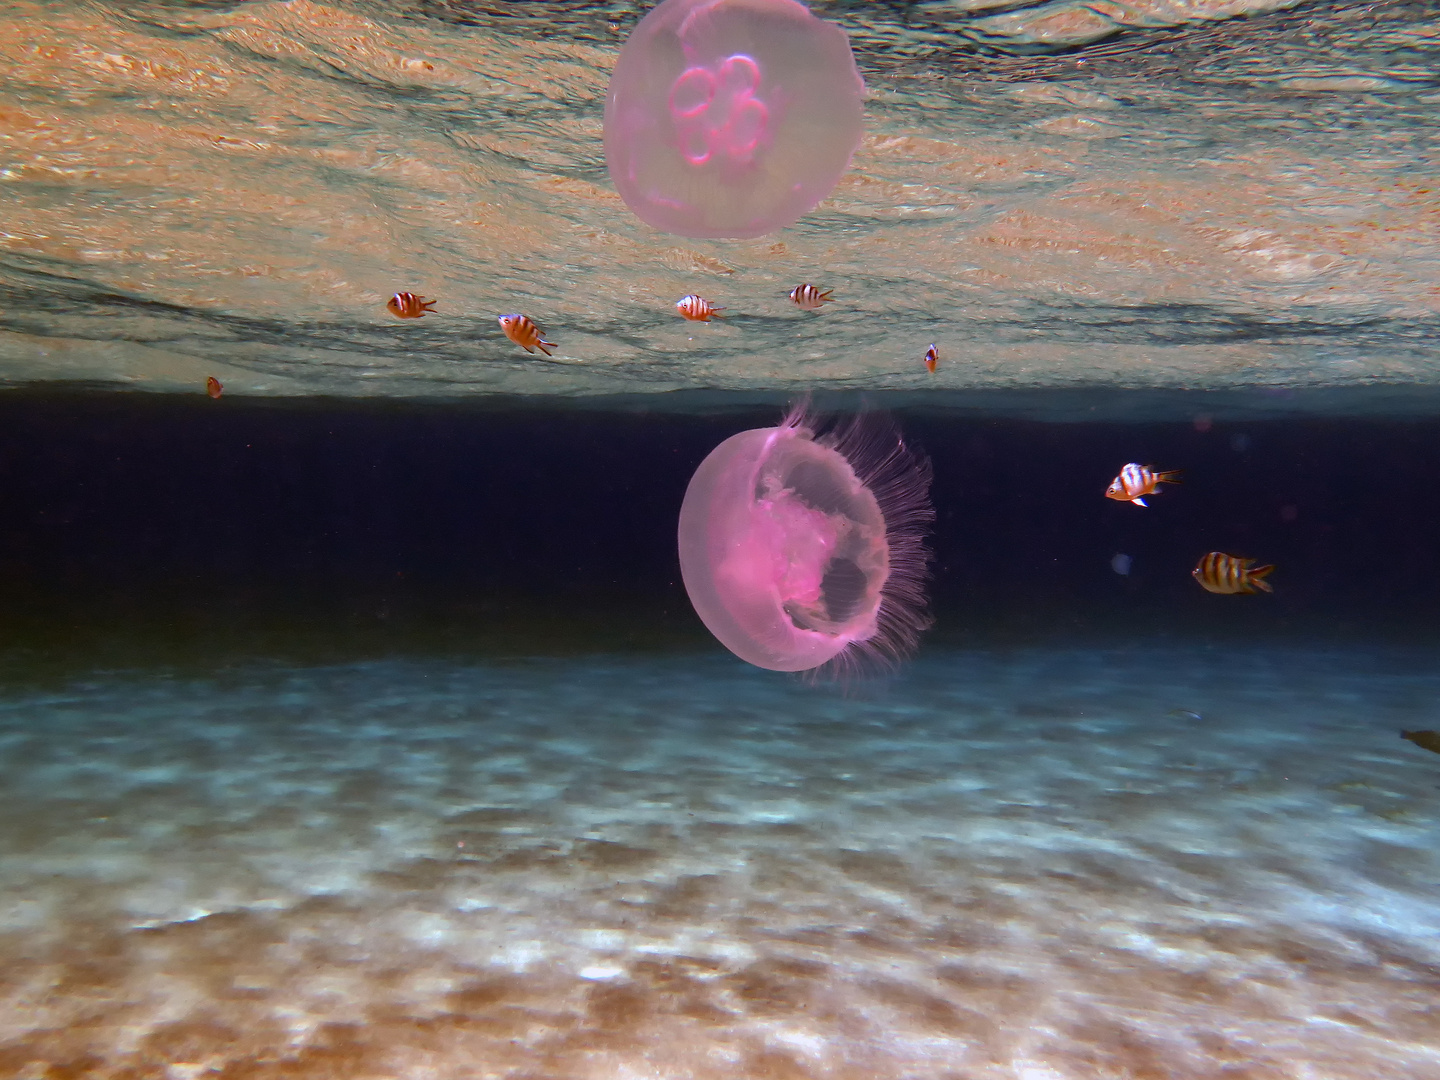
<point>519,329</point>
<point>406,305</point>
<point>1229,574</point>
<point>1136,481</point>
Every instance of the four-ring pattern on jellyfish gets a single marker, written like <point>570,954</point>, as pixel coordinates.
<point>716,110</point>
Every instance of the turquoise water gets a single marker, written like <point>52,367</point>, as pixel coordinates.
<point>1035,862</point>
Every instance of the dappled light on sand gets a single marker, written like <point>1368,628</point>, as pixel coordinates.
<point>1021,866</point>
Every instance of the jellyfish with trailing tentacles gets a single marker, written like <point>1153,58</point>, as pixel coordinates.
<point>731,118</point>
<point>800,549</point>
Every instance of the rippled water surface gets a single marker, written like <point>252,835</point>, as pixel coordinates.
<point>1152,194</point>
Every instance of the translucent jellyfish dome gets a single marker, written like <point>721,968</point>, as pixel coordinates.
<point>731,118</point>
<point>800,550</point>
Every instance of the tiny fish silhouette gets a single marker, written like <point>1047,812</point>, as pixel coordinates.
<point>932,357</point>
<point>698,309</point>
<point>809,297</point>
<point>1426,740</point>
<point>1136,481</point>
<point>406,305</point>
<point>1229,574</point>
<point>519,329</point>
<point>213,387</point>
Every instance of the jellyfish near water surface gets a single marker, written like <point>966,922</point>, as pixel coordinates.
<point>799,550</point>
<point>731,118</point>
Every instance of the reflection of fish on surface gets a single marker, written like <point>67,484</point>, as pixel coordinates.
<point>213,387</point>
<point>698,309</point>
<point>519,329</point>
<point>809,297</point>
<point>1426,740</point>
<point>1230,574</point>
<point>1121,564</point>
<point>932,357</point>
<point>1136,481</point>
<point>406,305</point>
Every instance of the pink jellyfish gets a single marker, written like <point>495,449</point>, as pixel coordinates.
<point>798,550</point>
<point>731,118</point>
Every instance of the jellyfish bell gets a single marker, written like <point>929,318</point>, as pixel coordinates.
<point>800,549</point>
<point>731,118</point>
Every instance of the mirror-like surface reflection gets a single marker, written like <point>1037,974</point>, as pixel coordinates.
<point>236,190</point>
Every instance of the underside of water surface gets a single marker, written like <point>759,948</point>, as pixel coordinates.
<point>1210,194</point>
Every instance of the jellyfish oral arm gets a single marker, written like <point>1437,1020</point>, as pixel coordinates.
<point>784,553</point>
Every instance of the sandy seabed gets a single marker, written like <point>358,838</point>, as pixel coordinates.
<point>1035,864</point>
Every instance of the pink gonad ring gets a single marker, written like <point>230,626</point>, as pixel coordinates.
<point>731,118</point>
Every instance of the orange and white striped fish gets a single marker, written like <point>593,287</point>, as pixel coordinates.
<point>932,357</point>
<point>809,297</point>
<point>406,305</point>
<point>519,329</point>
<point>1136,481</point>
<point>1228,574</point>
<point>698,309</point>
<point>213,387</point>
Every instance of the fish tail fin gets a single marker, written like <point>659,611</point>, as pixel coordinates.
<point>1170,477</point>
<point>826,294</point>
<point>541,345</point>
<point>1258,576</point>
<point>716,313</point>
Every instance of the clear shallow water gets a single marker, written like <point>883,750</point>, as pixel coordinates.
<point>1025,863</point>
<point>235,189</point>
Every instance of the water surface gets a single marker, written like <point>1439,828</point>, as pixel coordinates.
<point>1146,194</point>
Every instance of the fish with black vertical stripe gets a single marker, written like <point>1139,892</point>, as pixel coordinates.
<point>1230,574</point>
<point>697,309</point>
<point>406,305</point>
<point>809,297</point>
<point>1136,481</point>
<point>519,329</point>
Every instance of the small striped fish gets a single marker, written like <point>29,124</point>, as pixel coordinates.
<point>519,329</point>
<point>213,387</point>
<point>1137,481</point>
<point>809,297</point>
<point>406,305</point>
<point>1228,574</point>
<point>932,357</point>
<point>698,309</point>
